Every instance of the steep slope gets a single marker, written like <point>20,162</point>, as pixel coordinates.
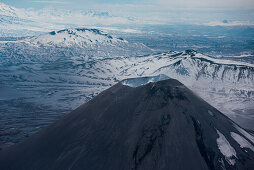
<point>160,125</point>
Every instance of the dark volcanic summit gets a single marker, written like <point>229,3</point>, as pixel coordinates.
<point>157,126</point>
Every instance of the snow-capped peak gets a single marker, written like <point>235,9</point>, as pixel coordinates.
<point>77,36</point>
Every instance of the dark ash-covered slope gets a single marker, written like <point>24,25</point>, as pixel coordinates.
<point>158,126</point>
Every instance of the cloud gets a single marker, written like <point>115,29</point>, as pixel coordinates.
<point>127,30</point>
<point>233,23</point>
<point>51,2</point>
<point>225,4</point>
<point>133,14</point>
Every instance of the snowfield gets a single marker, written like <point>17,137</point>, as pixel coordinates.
<point>226,149</point>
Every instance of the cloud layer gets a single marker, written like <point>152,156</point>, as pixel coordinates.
<point>52,2</point>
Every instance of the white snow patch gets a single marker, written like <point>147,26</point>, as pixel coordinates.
<point>232,23</point>
<point>226,149</point>
<point>246,134</point>
<point>136,82</point>
<point>241,141</point>
<point>244,55</point>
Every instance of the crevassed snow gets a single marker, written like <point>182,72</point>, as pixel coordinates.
<point>226,149</point>
<point>246,134</point>
<point>135,82</point>
<point>241,141</point>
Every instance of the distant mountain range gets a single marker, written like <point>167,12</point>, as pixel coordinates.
<point>82,42</point>
<point>155,125</point>
<point>18,22</point>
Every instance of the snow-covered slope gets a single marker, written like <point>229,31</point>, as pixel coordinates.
<point>226,84</point>
<point>74,37</point>
<point>57,72</point>
<point>79,42</point>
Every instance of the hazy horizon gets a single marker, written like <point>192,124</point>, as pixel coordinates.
<point>159,12</point>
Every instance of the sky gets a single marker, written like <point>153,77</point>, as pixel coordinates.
<point>157,4</point>
<point>210,12</point>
